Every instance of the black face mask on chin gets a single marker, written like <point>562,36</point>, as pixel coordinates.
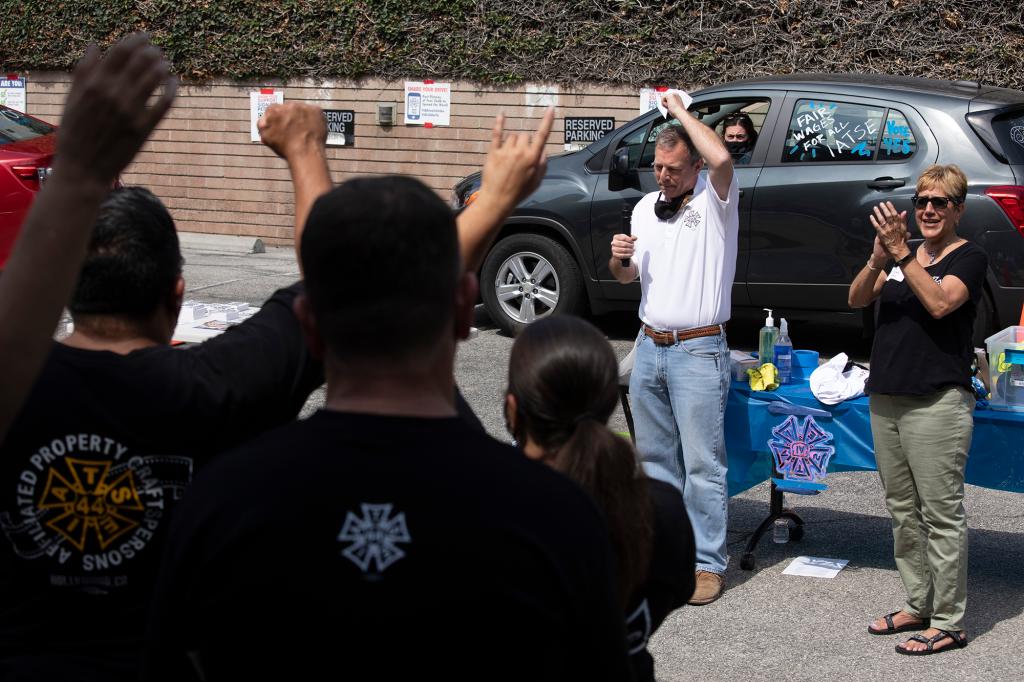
<point>666,209</point>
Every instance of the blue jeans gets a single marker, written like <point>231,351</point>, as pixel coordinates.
<point>678,396</point>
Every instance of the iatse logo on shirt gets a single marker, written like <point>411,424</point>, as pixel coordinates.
<point>692,219</point>
<point>89,506</point>
<point>374,537</point>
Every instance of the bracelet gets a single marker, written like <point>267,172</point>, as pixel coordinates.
<point>868,266</point>
<point>906,259</point>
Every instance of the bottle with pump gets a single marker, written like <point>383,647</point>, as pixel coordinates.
<point>766,339</point>
<point>784,354</point>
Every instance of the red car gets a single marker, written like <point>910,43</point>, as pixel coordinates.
<point>26,153</point>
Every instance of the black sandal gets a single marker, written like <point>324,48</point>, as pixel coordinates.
<point>959,642</point>
<point>891,628</point>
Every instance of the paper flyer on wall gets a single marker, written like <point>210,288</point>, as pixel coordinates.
<point>428,103</point>
<point>258,103</point>
<point>650,98</point>
<point>12,92</point>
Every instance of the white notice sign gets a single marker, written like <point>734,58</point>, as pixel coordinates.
<point>650,98</point>
<point>258,103</point>
<point>428,103</point>
<point>12,92</point>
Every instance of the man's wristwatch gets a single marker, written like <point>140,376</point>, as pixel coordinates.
<point>906,259</point>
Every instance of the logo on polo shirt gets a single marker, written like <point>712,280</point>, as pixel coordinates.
<point>374,537</point>
<point>692,219</point>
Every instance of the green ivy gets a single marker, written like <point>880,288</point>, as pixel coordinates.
<point>496,41</point>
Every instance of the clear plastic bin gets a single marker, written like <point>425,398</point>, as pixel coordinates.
<point>1006,369</point>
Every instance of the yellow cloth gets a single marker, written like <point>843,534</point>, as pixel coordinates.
<point>764,378</point>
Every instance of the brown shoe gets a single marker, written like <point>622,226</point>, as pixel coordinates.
<point>709,588</point>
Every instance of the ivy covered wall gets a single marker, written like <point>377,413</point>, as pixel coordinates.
<point>500,42</point>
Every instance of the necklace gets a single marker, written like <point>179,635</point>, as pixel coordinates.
<point>932,255</point>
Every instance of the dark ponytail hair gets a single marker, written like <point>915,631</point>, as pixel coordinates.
<point>564,376</point>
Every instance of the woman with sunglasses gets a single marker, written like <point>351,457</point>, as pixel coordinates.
<point>922,403</point>
<point>562,388</point>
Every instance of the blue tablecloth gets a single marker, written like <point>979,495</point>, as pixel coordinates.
<point>996,459</point>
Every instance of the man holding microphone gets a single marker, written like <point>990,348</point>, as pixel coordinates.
<point>683,249</point>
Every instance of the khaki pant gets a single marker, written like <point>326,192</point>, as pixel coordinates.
<point>921,445</point>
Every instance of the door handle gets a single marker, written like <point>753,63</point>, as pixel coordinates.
<point>886,183</point>
<point>741,192</point>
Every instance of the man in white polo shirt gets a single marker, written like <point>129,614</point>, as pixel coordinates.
<point>683,249</point>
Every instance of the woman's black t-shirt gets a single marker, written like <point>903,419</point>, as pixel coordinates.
<point>914,353</point>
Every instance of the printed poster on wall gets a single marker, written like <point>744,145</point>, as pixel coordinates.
<point>650,98</point>
<point>428,103</point>
<point>258,103</point>
<point>12,92</point>
<point>341,127</point>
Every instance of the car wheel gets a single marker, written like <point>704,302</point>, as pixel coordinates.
<point>527,277</point>
<point>984,320</point>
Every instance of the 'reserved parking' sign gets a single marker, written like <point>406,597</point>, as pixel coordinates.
<point>341,127</point>
<point>582,130</point>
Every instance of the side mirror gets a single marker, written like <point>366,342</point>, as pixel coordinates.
<point>619,175</point>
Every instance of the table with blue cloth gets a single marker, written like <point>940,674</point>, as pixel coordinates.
<point>996,459</point>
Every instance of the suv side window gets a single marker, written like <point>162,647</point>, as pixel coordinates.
<point>715,115</point>
<point>898,141</point>
<point>635,142</point>
<point>829,132</point>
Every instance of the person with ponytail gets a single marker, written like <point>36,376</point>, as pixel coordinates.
<point>562,389</point>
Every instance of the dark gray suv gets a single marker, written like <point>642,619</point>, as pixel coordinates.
<point>829,147</point>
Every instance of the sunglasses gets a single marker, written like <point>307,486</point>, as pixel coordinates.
<point>938,202</point>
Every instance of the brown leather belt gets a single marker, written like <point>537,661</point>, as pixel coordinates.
<point>668,338</point>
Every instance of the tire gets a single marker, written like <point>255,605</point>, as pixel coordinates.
<point>527,277</point>
<point>984,320</point>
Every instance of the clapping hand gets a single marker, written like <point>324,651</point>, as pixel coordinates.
<point>890,229</point>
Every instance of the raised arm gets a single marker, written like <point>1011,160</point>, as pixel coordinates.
<point>709,145</point>
<point>515,164</point>
<point>298,134</point>
<point>105,122</point>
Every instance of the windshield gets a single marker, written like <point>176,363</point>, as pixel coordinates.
<point>15,126</point>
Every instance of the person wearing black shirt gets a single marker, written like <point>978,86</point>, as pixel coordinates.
<point>383,538</point>
<point>922,403</point>
<point>562,388</point>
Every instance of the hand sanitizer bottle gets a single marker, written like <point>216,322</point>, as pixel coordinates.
<point>784,354</point>
<point>766,339</point>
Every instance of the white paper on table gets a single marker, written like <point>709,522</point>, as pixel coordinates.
<point>687,101</point>
<point>815,567</point>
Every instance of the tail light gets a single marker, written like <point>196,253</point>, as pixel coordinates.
<point>1011,199</point>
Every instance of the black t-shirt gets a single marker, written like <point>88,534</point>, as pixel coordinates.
<point>101,452</point>
<point>915,354</point>
<point>670,579</point>
<point>379,547</point>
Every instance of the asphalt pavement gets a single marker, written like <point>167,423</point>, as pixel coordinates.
<point>767,625</point>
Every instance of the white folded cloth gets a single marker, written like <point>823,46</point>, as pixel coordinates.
<point>831,385</point>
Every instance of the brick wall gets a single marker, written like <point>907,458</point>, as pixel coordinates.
<point>201,161</point>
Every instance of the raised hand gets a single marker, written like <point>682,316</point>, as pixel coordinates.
<point>292,128</point>
<point>515,163</point>
<point>106,119</point>
<point>891,229</point>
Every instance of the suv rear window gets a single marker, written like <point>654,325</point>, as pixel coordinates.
<point>827,132</point>
<point>1009,130</point>
<point>15,126</point>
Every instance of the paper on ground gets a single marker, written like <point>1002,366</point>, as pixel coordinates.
<point>815,567</point>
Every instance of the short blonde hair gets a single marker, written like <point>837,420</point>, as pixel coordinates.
<point>949,178</point>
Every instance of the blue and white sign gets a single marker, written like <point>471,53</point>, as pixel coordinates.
<point>12,92</point>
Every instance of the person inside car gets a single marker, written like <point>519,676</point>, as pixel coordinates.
<point>739,136</point>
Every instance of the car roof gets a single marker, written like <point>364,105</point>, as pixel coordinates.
<point>879,85</point>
